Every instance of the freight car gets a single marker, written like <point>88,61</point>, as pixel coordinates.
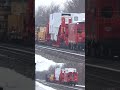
<point>102,28</point>
<point>17,20</point>
<point>68,76</point>
<point>20,25</point>
<point>4,12</point>
<point>15,27</point>
<point>42,35</point>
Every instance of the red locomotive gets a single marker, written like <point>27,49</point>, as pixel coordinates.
<point>67,76</point>
<point>102,28</point>
<point>76,35</point>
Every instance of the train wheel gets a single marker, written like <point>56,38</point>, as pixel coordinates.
<point>87,48</point>
<point>110,53</point>
<point>64,45</point>
<point>69,84</point>
<point>106,53</point>
<point>91,51</point>
<point>97,52</point>
<point>76,47</point>
<point>86,51</point>
<point>101,51</point>
<point>74,84</point>
<point>69,46</point>
<point>73,47</point>
<point>79,47</point>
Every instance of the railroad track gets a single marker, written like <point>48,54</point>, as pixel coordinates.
<point>61,54</point>
<point>21,60</point>
<point>60,48</point>
<point>18,54</point>
<point>104,74</point>
<point>21,47</point>
<point>61,86</point>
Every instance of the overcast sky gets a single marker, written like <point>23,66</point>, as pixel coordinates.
<point>48,2</point>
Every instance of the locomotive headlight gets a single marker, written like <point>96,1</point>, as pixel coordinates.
<point>108,29</point>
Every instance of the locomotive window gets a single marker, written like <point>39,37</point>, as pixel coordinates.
<point>66,20</point>
<point>107,12</point>
<point>66,14</point>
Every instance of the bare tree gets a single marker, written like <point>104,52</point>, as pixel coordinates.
<point>39,16</point>
<point>43,12</point>
<point>75,6</point>
<point>52,68</point>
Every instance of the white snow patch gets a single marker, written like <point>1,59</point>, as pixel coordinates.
<point>40,86</point>
<point>43,63</point>
<point>80,85</point>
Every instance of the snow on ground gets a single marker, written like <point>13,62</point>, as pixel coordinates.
<point>80,85</point>
<point>40,86</point>
<point>43,63</point>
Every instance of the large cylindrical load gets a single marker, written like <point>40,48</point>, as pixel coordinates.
<point>57,74</point>
<point>55,22</point>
